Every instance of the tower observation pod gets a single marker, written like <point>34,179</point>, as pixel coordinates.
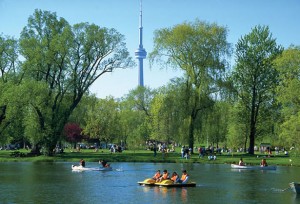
<point>140,53</point>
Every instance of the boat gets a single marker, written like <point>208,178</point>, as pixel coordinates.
<point>295,186</point>
<point>81,168</point>
<point>235,166</point>
<point>165,183</point>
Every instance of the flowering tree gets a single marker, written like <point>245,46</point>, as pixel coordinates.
<point>72,132</point>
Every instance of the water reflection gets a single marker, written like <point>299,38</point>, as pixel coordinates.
<point>56,183</point>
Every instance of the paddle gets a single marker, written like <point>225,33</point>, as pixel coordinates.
<point>286,189</point>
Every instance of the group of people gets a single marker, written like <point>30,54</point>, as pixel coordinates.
<point>102,162</point>
<point>158,177</point>
<point>262,163</point>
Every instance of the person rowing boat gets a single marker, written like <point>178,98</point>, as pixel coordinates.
<point>104,163</point>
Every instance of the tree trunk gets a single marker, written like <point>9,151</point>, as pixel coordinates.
<point>252,124</point>
<point>35,150</point>
<point>191,134</point>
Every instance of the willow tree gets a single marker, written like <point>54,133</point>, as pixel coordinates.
<point>255,77</point>
<point>9,78</point>
<point>135,113</point>
<point>102,120</point>
<point>199,49</point>
<point>67,60</point>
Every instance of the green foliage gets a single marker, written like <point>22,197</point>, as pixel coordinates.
<point>60,63</point>
<point>255,77</point>
<point>200,50</point>
<point>288,66</point>
<point>102,120</point>
<point>238,126</point>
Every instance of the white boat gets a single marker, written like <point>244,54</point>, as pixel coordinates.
<point>235,166</point>
<point>81,168</point>
<point>295,186</point>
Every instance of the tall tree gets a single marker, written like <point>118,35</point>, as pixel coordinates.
<point>68,60</point>
<point>254,76</point>
<point>200,50</point>
<point>9,78</point>
<point>288,66</point>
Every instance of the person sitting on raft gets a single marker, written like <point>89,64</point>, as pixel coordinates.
<point>241,162</point>
<point>104,163</point>
<point>164,176</point>
<point>184,178</point>
<point>82,163</point>
<point>263,162</point>
<point>174,177</point>
<point>157,175</point>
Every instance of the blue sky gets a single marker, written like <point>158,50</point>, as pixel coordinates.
<point>239,16</point>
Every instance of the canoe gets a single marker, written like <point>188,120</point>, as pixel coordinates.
<point>166,183</point>
<point>235,166</point>
<point>81,168</point>
<point>295,186</point>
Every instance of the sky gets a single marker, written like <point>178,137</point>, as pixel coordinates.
<point>239,16</point>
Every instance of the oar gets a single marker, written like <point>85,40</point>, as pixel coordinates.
<point>286,189</point>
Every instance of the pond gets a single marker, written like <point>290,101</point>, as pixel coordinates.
<point>216,183</point>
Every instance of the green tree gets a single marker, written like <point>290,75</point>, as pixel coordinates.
<point>215,125</point>
<point>288,66</point>
<point>168,111</point>
<point>102,121</point>
<point>255,77</point>
<point>137,105</point>
<point>68,60</point>
<point>238,126</point>
<point>200,50</point>
<point>9,98</point>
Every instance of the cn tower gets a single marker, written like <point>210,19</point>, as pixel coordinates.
<point>141,53</point>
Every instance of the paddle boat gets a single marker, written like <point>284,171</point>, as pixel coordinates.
<point>81,168</point>
<point>295,186</point>
<point>235,166</point>
<point>165,183</point>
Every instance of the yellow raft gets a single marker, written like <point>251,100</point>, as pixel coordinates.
<point>165,183</point>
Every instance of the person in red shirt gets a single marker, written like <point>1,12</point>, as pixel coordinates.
<point>263,162</point>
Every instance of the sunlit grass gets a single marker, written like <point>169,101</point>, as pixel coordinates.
<point>148,156</point>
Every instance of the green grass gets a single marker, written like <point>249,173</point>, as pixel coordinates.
<point>147,156</point>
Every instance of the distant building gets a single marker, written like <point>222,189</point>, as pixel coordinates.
<point>140,53</point>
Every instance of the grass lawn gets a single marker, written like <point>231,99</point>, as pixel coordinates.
<point>146,156</point>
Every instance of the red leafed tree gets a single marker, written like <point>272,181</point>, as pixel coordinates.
<point>73,132</point>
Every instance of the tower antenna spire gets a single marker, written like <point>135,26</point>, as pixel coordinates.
<point>140,53</point>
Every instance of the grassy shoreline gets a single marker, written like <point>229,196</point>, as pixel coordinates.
<point>147,156</point>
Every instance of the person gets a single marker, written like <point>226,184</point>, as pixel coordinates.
<point>182,152</point>
<point>184,178</point>
<point>154,149</point>
<point>104,163</point>
<point>82,163</point>
<point>157,175</point>
<point>263,162</point>
<point>174,177</point>
<point>164,176</point>
<point>241,162</point>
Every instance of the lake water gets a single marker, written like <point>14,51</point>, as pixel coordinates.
<point>57,183</point>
